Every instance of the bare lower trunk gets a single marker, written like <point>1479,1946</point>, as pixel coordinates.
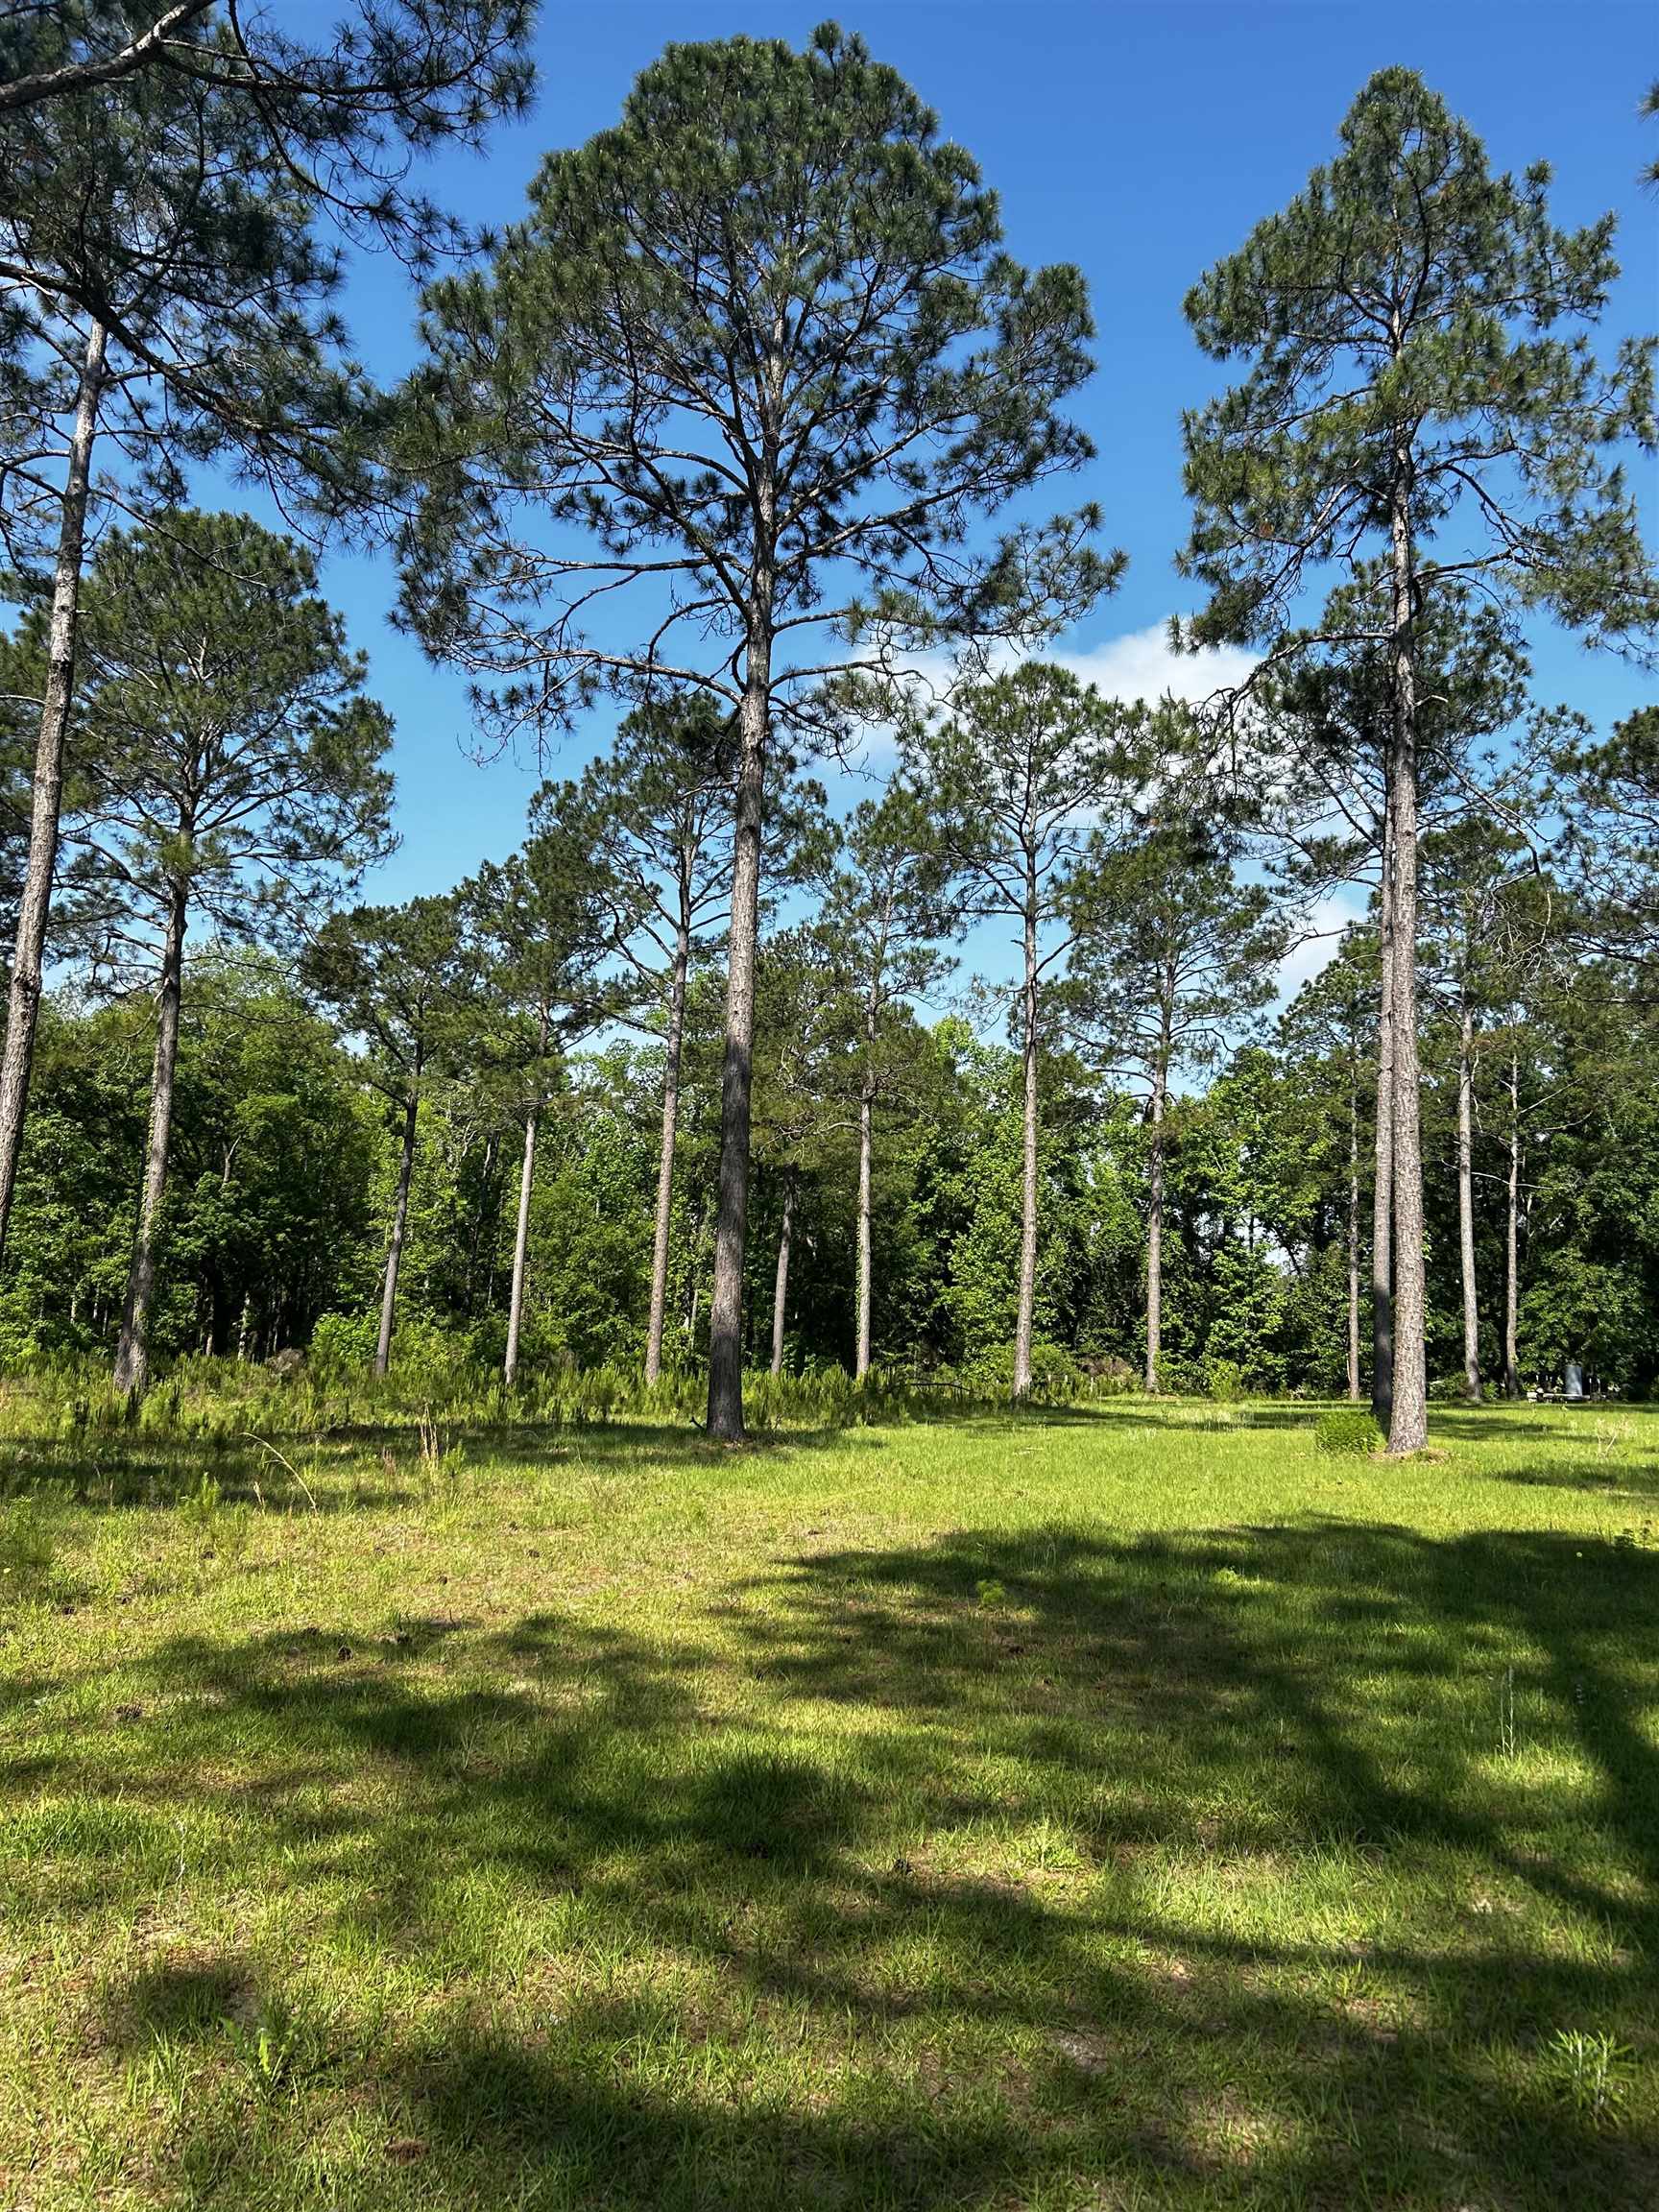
<point>780,1286</point>
<point>1023,1321</point>
<point>520,1246</point>
<point>132,1347</point>
<point>395,1247</point>
<point>1466,1207</point>
<point>1512,1241</point>
<point>866,1144</point>
<point>1155,1236</point>
<point>726,1306</point>
<point>1383,1191</point>
<point>1408,1423</point>
<point>23,997</point>
<point>665,1158</point>
<point>1354,1242</point>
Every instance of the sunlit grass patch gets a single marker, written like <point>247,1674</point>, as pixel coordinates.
<point>1045,1812</point>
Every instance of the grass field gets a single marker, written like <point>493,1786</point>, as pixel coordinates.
<point>1106,1809</point>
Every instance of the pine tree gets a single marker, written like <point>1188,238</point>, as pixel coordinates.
<point>656,811</point>
<point>177,185</point>
<point>395,977</point>
<point>889,908</point>
<point>760,343</point>
<point>1173,955</point>
<point>340,113</point>
<point>1018,770</point>
<point>542,924</point>
<point>1418,385</point>
<point>228,770</point>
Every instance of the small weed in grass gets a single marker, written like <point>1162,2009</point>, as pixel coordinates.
<point>1593,2073</point>
<point>279,2051</point>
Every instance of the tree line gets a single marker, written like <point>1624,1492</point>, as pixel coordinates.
<point>747,426</point>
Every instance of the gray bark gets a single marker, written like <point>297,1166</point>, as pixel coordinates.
<point>866,1144</point>
<point>781,1283</point>
<point>1512,1241</point>
<point>1155,1240</point>
<point>675,1042</point>
<point>1409,1421</point>
<point>1353,1240</point>
<point>1023,1321</point>
<point>23,997</point>
<point>726,1305</point>
<point>873,999</point>
<point>520,1246</point>
<point>1466,1206</point>
<point>399,1221</point>
<point>1382,1188</point>
<point>132,1347</point>
<point>78,77</point>
<point>1155,1186</point>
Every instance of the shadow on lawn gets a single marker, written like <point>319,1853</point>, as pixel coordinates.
<point>565,1818</point>
<point>363,1468</point>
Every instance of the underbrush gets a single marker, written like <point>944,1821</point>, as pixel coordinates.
<point>218,1403</point>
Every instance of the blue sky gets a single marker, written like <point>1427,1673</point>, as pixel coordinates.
<point>1139,138</point>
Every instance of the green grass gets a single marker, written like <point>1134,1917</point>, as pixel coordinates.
<point>1137,1807</point>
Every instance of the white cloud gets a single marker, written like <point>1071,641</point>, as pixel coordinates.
<point>1319,940</point>
<point>1139,664</point>
<point>1144,665</point>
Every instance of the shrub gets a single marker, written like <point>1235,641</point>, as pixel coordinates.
<point>1056,1379</point>
<point>1224,1382</point>
<point>1346,1432</point>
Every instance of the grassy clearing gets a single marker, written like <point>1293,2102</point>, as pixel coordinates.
<point>1127,1806</point>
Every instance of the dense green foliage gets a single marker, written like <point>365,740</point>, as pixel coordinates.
<point>755,366</point>
<point>287,1155</point>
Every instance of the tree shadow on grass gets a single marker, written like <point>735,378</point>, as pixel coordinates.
<point>1260,1865</point>
<point>369,1467</point>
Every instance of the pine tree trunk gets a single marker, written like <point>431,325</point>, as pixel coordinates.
<point>521,1245</point>
<point>132,1347</point>
<point>1023,1321</point>
<point>781,1285</point>
<point>1382,1189</point>
<point>1512,1241</point>
<point>1155,1233</point>
<point>1353,1240</point>
<point>1409,1422</point>
<point>675,1042</point>
<point>400,1221</point>
<point>866,1147</point>
<point>480,1216</point>
<point>726,1306</point>
<point>1466,1206</point>
<point>23,997</point>
<point>873,1002</point>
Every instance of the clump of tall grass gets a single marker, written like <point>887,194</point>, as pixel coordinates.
<point>1346,1432</point>
<point>28,1548</point>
